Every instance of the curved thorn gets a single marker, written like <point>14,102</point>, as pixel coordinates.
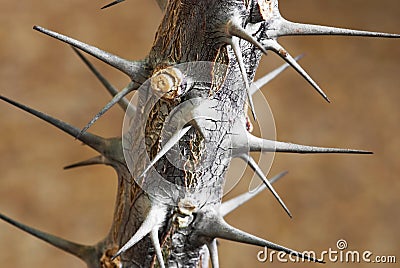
<point>112,3</point>
<point>292,28</point>
<point>270,76</point>
<point>153,220</point>
<point>213,249</point>
<point>131,68</point>
<point>270,44</point>
<point>238,53</point>
<point>262,145</point>
<point>97,160</point>
<point>214,226</point>
<point>124,103</point>
<point>234,29</point>
<point>260,173</point>
<point>81,251</point>
<point>232,204</point>
<point>157,247</point>
<point>97,143</point>
<point>167,146</point>
<point>117,98</point>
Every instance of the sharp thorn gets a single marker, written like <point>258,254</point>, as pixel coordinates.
<point>133,69</point>
<point>153,220</point>
<point>262,145</point>
<point>236,49</point>
<point>291,28</point>
<point>167,146</point>
<point>234,29</point>
<point>252,163</point>
<point>270,76</point>
<point>251,104</point>
<point>81,251</point>
<point>94,141</point>
<point>232,204</point>
<point>214,226</point>
<point>270,44</point>
<point>278,177</point>
<point>278,49</point>
<point>124,103</point>
<point>117,98</point>
<point>157,247</point>
<point>213,250</point>
<point>97,160</point>
<point>192,113</point>
<point>112,4</point>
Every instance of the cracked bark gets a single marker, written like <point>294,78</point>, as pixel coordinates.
<point>188,33</point>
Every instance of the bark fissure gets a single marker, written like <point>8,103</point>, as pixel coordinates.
<point>167,212</point>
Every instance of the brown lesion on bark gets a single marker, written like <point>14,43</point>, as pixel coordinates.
<point>220,70</point>
<point>193,159</point>
<point>154,124</point>
<point>169,35</point>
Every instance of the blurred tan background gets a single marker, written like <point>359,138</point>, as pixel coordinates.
<point>331,196</point>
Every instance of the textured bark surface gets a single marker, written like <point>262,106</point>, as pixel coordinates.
<point>189,32</point>
<point>387,113</point>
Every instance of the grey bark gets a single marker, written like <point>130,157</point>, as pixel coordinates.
<point>184,219</point>
<point>188,33</point>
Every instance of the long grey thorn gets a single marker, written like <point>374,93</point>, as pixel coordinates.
<point>86,253</point>
<point>112,4</point>
<point>154,219</point>
<point>279,26</point>
<point>96,142</point>
<point>232,204</point>
<point>157,247</point>
<point>114,100</point>
<point>134,69</point>
<point>273,45</point>
<point>229,206</point>
<point>236,31</point>
<point>97,160</point>
<point>167,146</point>
<point>238,53</point>
<point>212,225</point>
<point>256,144</point>
<point>283,27</point>
<point>253,164</point>
<point>270,44</point>
<point>124,103</point>
<point>256,85</point>
<point>213,250</point>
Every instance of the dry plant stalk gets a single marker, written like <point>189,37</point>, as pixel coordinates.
<point>190,120</point>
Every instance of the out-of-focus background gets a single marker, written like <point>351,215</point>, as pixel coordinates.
<point>332,197</point>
